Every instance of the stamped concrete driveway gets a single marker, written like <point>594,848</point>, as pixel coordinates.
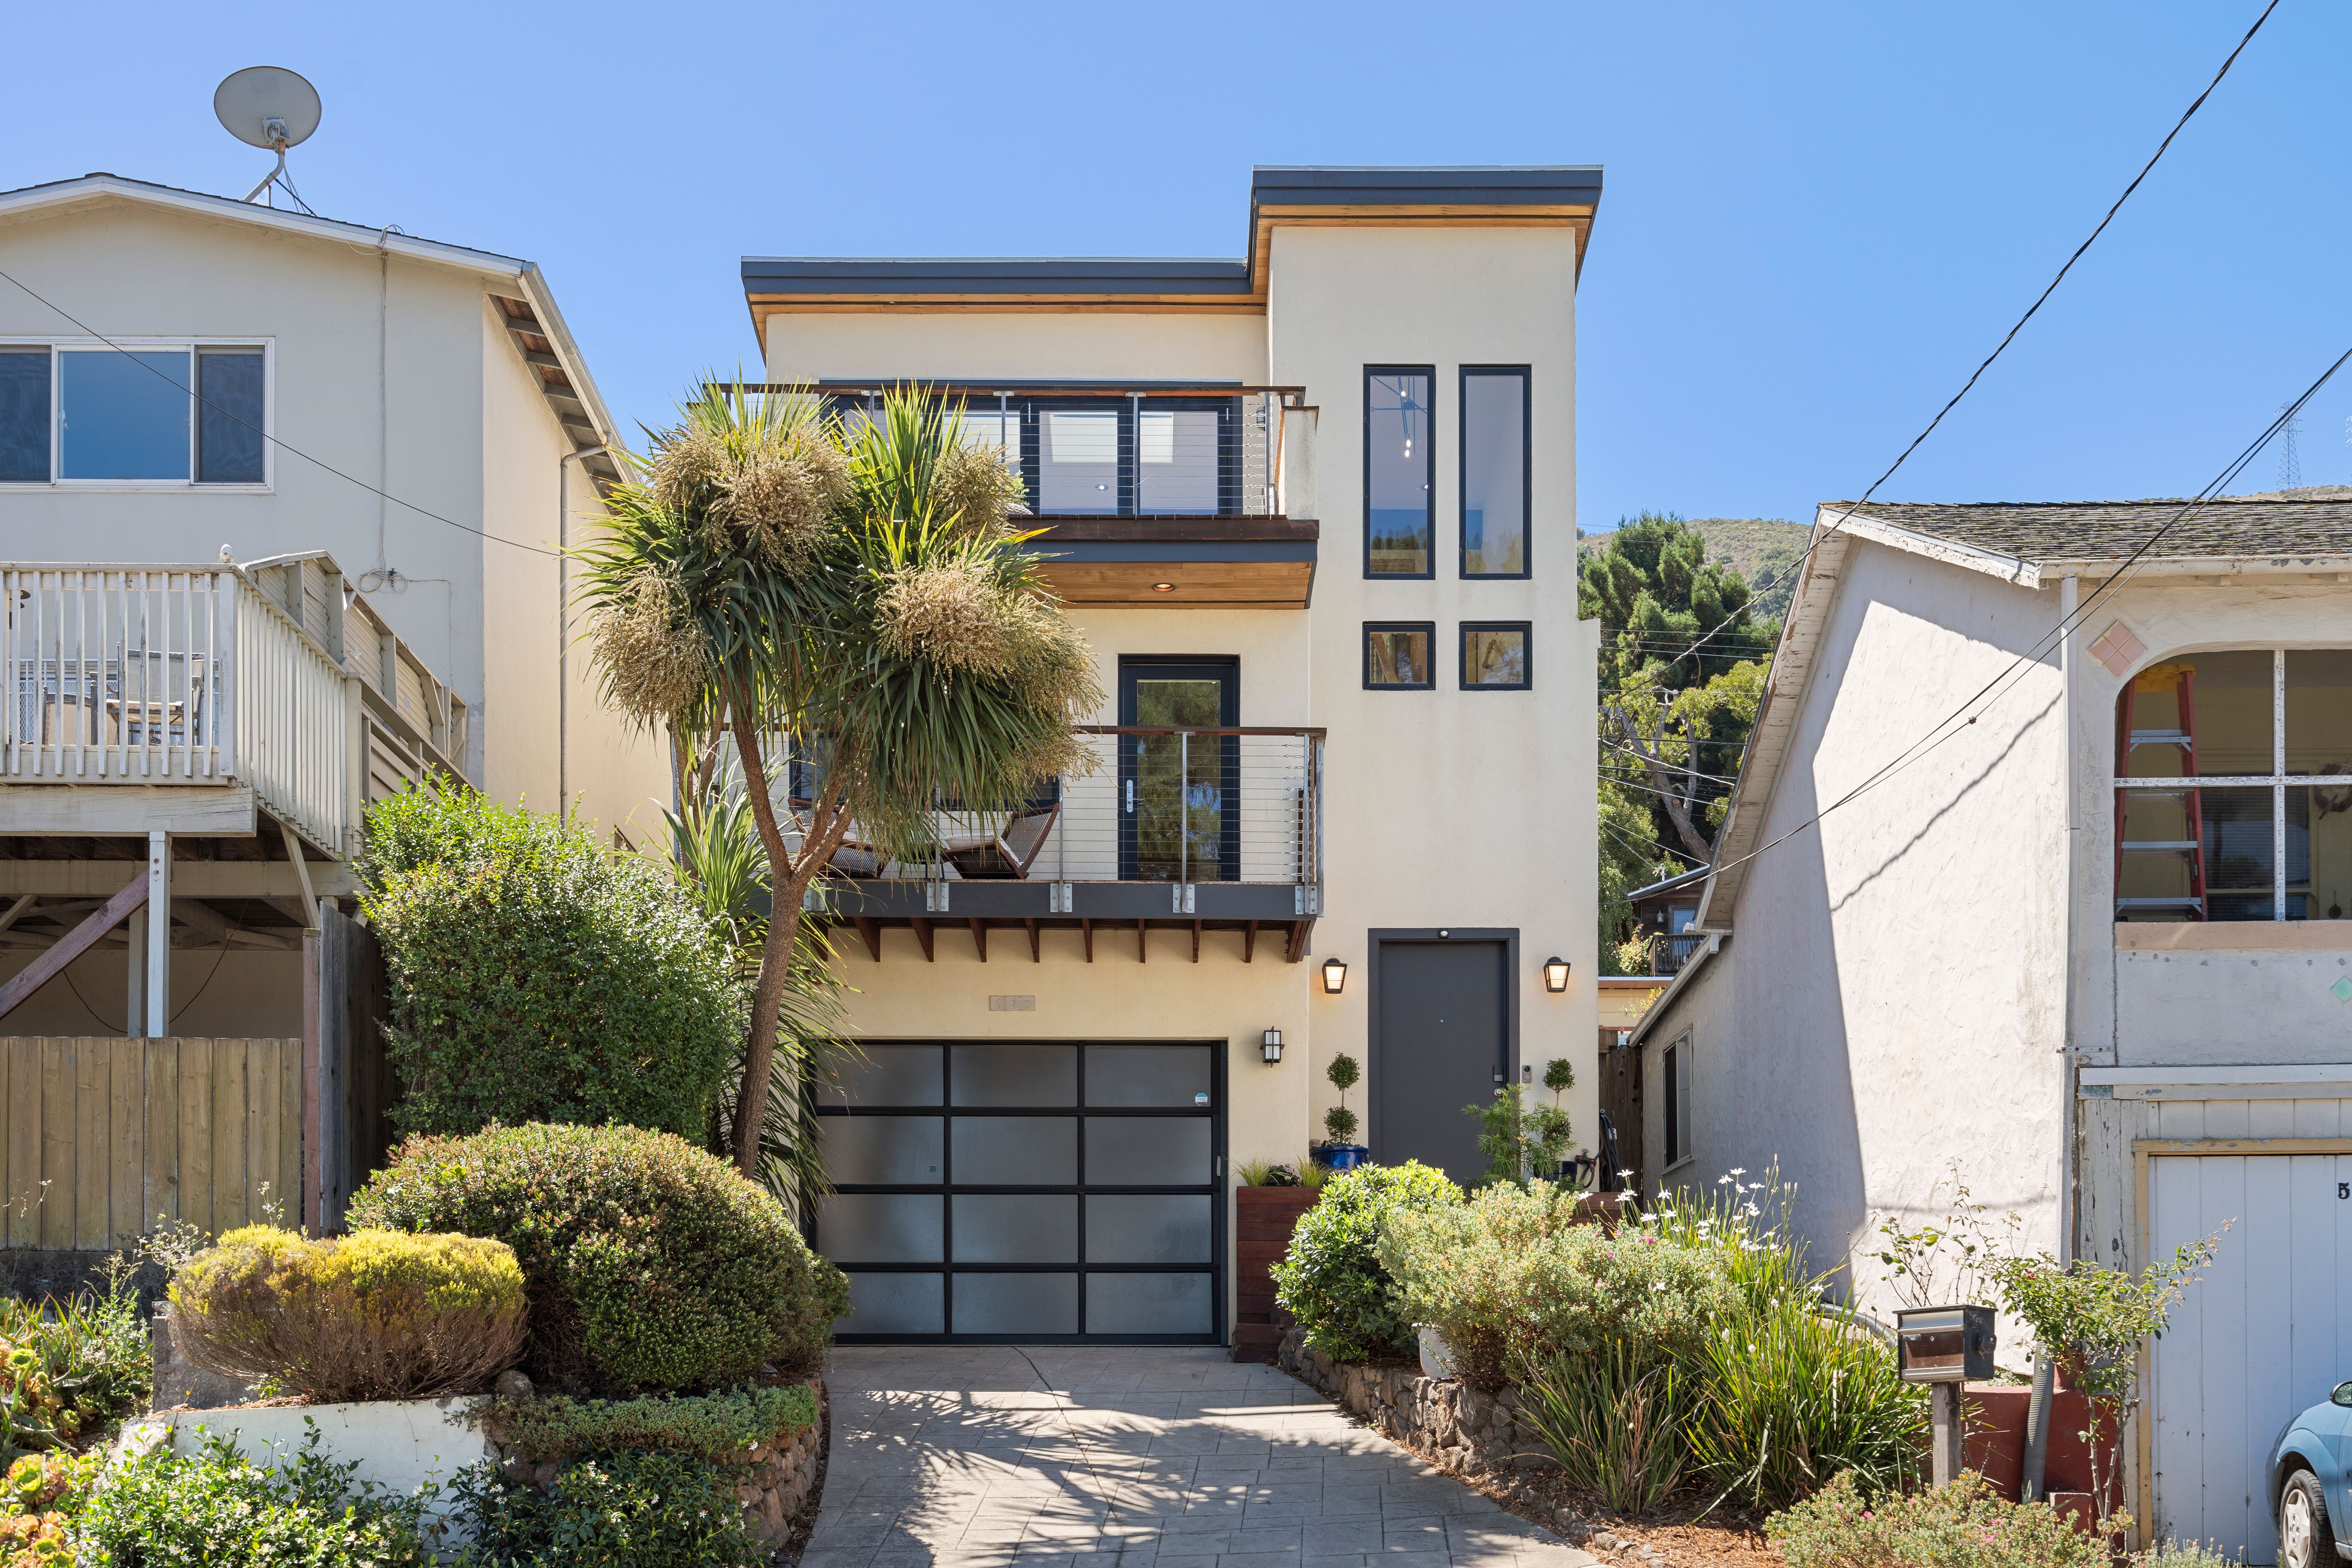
<point>1088,1456</point>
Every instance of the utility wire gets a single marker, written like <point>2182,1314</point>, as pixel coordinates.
<point>1954,723</point>
<point>1821,533</point>
<point>281,446</point>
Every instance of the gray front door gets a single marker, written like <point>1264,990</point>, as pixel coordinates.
<point>1031,1191</point>
<point>1441,1041</point>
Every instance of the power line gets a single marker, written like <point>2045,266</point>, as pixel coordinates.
<point>281,446</point>
<point>1820,535</point>
<point>1950,724</point>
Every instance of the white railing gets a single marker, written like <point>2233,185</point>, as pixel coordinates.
<point>172,674</point>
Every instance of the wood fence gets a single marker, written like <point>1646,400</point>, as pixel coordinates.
<point>105,1140</point>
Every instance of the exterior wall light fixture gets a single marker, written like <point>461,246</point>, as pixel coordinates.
<point>1555,974</point>
<point>1335,976</point>
<point>1270,1047</point>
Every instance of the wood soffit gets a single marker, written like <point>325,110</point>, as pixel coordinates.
<point>1209,302</point>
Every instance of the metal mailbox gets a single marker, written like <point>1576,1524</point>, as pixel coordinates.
<point>1945,1344</point>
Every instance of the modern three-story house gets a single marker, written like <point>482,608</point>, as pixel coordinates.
<point>1315,510</point>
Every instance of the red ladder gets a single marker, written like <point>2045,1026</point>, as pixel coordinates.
<point>2180,679</point>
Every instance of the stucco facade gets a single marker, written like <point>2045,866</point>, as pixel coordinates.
<point>1440,809</point>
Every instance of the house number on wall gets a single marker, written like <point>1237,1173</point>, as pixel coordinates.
<point>2344,1190</point>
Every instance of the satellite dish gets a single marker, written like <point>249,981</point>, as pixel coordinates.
<point>267,107</point>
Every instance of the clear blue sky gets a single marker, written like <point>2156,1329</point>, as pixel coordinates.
<point>1816,219</point>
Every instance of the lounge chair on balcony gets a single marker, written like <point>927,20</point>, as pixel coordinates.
<point>1010,851</point>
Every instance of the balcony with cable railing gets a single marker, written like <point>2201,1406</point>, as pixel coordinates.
<point>1166,494</point>
<point>1191,829</point>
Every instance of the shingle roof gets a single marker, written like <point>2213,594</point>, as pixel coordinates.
<point>2045,531</point>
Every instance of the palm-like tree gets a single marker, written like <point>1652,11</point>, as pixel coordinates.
<point>857,591</point>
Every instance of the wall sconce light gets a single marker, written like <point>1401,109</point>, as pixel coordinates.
<point>1335,976</point>
<point>1270,1047</point>
<point>1555,974</point>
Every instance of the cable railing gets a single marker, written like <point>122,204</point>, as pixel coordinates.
<point>1184,806</point>
<point>1121,450</point>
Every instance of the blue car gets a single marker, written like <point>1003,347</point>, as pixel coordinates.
<point>2307,1483</point>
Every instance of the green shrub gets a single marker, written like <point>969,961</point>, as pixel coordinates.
<point>218,1509</point>
<point>1512,1276</point>
<point>1614,1419</point>
<point>1964,1525</point>
<point>616,1511</point>
<point>538,976</point>
<point>377,1315</point>
<point>648,1264</point>
<point>70,1369</point>
<point>1332,1281</point>
<point>724,1428</point>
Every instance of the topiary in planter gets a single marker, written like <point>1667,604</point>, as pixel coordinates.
<point>377,1316</point>
<point>648,1264</point>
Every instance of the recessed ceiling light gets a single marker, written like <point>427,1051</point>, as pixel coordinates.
<point>1163,587</point>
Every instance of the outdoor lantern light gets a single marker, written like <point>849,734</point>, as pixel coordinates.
<point>1555,974</point>
<point>1270,1047</point>
<point>1335,975</point>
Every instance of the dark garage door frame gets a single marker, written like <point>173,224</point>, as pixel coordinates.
<point>947,1110</point>
<point>1380,937</point>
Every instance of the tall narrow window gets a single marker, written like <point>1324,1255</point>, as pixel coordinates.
<point>228,416</point>
<point>1495,472</point>
<point>24,415</point>
<point>1400,470</point>
<point>1678,1075</point>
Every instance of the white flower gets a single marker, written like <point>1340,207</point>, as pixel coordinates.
<point>1721,1181</point>
<point>1738,1170</point>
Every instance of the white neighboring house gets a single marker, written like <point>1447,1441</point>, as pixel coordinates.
<point>2092,945</point>
<point>222,638</point>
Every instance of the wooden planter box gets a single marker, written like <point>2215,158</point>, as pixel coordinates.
<point>1264,1219</point>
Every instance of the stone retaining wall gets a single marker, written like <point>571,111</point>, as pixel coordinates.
<point>1451,1422</point>
<point>773,1488</point>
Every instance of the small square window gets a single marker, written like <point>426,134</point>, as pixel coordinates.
<point>1398,654</point>
<point>1494,656</point>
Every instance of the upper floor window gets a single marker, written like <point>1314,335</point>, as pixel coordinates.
<point>1494,471</point>
<point>147,413</point>
<point>1400,470</point>
<point>2234,787</point>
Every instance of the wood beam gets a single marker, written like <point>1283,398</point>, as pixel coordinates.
<point>1196,941</point>
<point>190,879</point>
<point>214,927</point>
<point>923,935</point>
<point>1249,943</point>
<point>1297,947</point>
<point>980,938</point>
<point>121,810</point>
<point>1035,955</point>
<point>76,942</point>
<point>870,930</point>
<point>1142,954</point>
<point>14,910</point>
<point>1086,930</point>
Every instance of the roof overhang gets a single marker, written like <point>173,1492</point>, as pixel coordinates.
<point>1658,1011</point>
<point>1145,563</point>
<point>1478,197</point>
<point>517,286</point>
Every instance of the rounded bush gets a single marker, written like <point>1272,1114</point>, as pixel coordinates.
<point>377,1316</point>
<point>648,1264</point>
<point>1331,1280</point>
<point>539,976</point>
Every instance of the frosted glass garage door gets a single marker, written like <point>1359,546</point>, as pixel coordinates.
<point>1039,1191</point>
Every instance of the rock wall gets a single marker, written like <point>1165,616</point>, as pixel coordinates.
<point>773,1486</point>
<point>1451,1422</point>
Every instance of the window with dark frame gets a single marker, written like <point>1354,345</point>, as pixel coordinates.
<point>1399,654</point>
<point>1494,656</point>
<point>1400,471</point>
<point>148,414</point>
<point>1677,1076</point>
<point>1495,447</point>
<point>2234,787</point>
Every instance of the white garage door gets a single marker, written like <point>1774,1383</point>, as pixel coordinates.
<point>2266,1333</point>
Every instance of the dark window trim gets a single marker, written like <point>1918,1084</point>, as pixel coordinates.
<point>1527,663</point>
<point>1377,941</point>
<point>1364,431</point>
<point>1366,654</point>
<point>947,1188</point>
<point>1527,475</point>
